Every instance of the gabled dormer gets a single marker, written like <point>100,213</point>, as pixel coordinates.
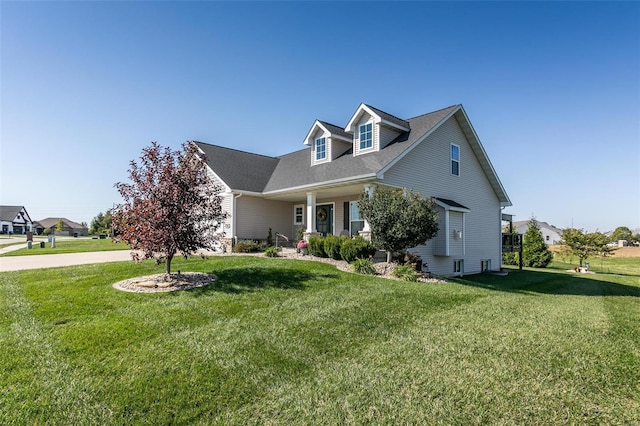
<point>327,142</point>
<point>373,129</point>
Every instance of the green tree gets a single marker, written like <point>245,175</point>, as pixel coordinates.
<point>101,224</point>
<point>535,253</point>
<point>59,225</point>
<point>399,219</point>
<point>622,233</point>
<point>576,243</point>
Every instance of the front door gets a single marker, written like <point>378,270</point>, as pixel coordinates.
<point>324,219</point>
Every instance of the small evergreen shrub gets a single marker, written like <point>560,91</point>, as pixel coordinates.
<point>316,247</point>
<point>272,252</point>
<point>356,248</point>
<point>364,266</point>
<point>246,246</point>
<point>332,246</point>
<point>405,273</point>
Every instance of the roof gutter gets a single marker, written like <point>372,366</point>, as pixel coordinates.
<point>326,184</point>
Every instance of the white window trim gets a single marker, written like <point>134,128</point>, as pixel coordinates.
<point>295,208</point>
<point>326,148</point>
<point>461,271</point>
<point>361,149</point>
<point>451,160</point>
<point>351,219</point>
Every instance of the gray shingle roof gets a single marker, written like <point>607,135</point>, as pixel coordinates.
<point>9,213</point>
<point>53,221</point>
<point>295,169</point>
<point>252,172</point>
<point>239,169</point>
<point>388,117</point>
<point>336,130</point>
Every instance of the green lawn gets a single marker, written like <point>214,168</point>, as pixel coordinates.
<point>76,245</point>
<point>290,342</point>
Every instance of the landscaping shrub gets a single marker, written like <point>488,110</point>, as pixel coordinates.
<point>364,266</point>
<point>271,252</point>
<point>316,247</point>
<point>356,248</point>
<point>331,245</point>
<point>405,273</point>
<point>246,246</point>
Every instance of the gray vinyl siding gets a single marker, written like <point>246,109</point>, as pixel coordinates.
<point>427,169</point>
<point>387,135</point>
<point>254,217</point>
<point>337,147</point>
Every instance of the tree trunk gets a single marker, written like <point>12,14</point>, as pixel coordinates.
<point>389,254</point>
<point>169,259</point>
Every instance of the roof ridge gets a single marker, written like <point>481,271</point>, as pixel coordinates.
<point>331,124</point>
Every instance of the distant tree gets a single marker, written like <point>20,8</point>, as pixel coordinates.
<point>399,219</point>
<point>84,224</point>
<point>172,205</point>
<point>59,225</point>
<point>622,233</point>
<point>576,243</point>
<point>101,224</point>
<point>535,253</point>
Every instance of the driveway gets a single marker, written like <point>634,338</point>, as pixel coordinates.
<point>17,263</point>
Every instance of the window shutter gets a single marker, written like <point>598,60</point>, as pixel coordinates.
<point>346,218</point>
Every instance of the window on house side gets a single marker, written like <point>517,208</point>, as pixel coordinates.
<point>366,136</point>
<point>458,266</point>
<point>356,222</point>
<point>455,160</point>
<point>485,265</point>
<point>298,214</point>
<point>321,148</point>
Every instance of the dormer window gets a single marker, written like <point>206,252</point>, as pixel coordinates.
<point>321,149</point>
<point>366,136</point>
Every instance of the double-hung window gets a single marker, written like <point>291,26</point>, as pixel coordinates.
<point>298,212</point>
<point>321,149</point>
<point>356,220</point>
<point>455,160</point>
<point>366,136</point>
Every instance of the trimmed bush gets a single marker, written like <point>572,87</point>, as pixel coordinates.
<point>246,246</point>
<point>332,245</point>
<point>364,266</point>
<point>356,248</point>
<point>272,252</point>
<point>316,247</point>
<point>405,273</point>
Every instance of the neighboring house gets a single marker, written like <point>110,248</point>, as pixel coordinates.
<point>437,154</point>
<point>14,220</point>
<point>69,227</point>
<point>551,234</point>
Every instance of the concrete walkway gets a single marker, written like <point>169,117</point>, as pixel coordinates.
<point>17,263</point>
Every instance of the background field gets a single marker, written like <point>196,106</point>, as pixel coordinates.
<point>290,342</point>
<point>70,245</point>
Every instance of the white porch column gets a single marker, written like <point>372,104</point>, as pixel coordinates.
<point>311,215</point>
<point>366,229</point>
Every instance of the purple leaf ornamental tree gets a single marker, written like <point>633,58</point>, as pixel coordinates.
<point>171,205</point>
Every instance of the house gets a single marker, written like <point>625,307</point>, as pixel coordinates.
<point>69,227</point>
<point>14,220</point>
<point>550,233</point>
<point>437,154</point>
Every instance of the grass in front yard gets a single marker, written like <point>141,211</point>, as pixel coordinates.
<point>279,341</point>
<point>79,245</point>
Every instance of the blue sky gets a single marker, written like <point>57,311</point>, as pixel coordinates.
<point>552,89</point>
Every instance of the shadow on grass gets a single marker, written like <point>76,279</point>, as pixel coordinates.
<point>251,279</point>
<point>551,282</point>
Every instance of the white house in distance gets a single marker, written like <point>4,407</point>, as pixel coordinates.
<point>551,234</point>
<point>15,220</point>
<point>437,154</point>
